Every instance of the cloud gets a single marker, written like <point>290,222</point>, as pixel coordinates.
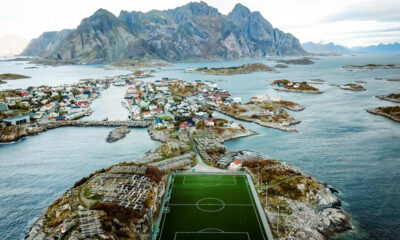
<point>384,30</point>
<point>381,11</point>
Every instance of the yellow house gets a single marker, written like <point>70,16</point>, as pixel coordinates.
<point>53,115</point>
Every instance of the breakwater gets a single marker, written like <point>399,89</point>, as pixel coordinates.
<point>11,133</point>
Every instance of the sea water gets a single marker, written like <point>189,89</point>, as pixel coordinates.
<point>338,143</point>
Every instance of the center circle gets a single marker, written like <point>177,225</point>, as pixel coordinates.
<point>210,205</point>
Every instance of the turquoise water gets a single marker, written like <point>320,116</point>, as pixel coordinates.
<point>338,143</point>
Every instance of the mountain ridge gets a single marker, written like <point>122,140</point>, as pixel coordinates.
<point>334,48</point>
<point>195,31</point>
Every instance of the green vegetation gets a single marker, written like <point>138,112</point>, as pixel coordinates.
<point>202,206</point>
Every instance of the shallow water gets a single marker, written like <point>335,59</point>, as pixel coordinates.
<point>338,143</point>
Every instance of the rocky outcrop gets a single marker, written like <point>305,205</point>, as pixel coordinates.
<point>393,97</point>
<point>281,65</point>
<point>352,87</point>
<point>117,134</point>
<point>194,31</point>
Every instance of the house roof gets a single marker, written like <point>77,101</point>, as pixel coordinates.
<point>16,117</point>
<point>237,162</point>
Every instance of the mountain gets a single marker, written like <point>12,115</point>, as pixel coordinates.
<point>380,48</point>
<point>45,43</point>
<point>194,31</point>
<point>324,48</point>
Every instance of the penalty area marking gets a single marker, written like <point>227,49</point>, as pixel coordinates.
<point>212,184</point>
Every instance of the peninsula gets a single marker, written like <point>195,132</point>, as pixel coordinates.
<point>286,85</point>
<point>264,113</point>
<point>289,105</point>
<point>245,68</point>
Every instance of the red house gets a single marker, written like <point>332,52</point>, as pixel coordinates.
<point>184,126</point>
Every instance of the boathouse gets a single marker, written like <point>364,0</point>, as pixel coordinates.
<point>17,120</point>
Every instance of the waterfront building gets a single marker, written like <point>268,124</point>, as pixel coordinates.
<point>3,107</point>
<point>17,120</point>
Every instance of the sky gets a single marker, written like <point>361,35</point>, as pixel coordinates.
<point>346,22</point>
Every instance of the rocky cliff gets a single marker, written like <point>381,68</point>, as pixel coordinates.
<point>192,32</point>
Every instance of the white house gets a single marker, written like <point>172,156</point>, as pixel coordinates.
<point>237,99</point>
<point>235,166</point>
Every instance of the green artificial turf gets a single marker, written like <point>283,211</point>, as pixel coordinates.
<point>211,207</point>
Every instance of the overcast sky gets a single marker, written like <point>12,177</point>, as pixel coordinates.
<point>347,22</point>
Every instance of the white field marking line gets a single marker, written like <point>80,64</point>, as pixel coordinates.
<point>163,222</point>
<point>205,229</point>
<point>211,211</point>
<point>212,184</point>
<point>247,234</point>
<point>211,204</point>
<point>251,198</point>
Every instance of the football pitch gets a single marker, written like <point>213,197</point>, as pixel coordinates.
<point>210,206</point>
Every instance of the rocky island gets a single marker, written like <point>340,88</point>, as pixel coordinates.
<point>299,61</point>
<point>372,66</point>
<point>352,87</point>
<point>393,97</point>
<point>281,65</point>
<point>11,76</point>
<point>245,68</point>
<point>117,134</point>
<point>286,85</point>
<point>392,112</point>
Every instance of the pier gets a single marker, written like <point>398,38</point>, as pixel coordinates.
<point>77,123</point>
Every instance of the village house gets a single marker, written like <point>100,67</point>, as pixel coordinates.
<point>235,166</point>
